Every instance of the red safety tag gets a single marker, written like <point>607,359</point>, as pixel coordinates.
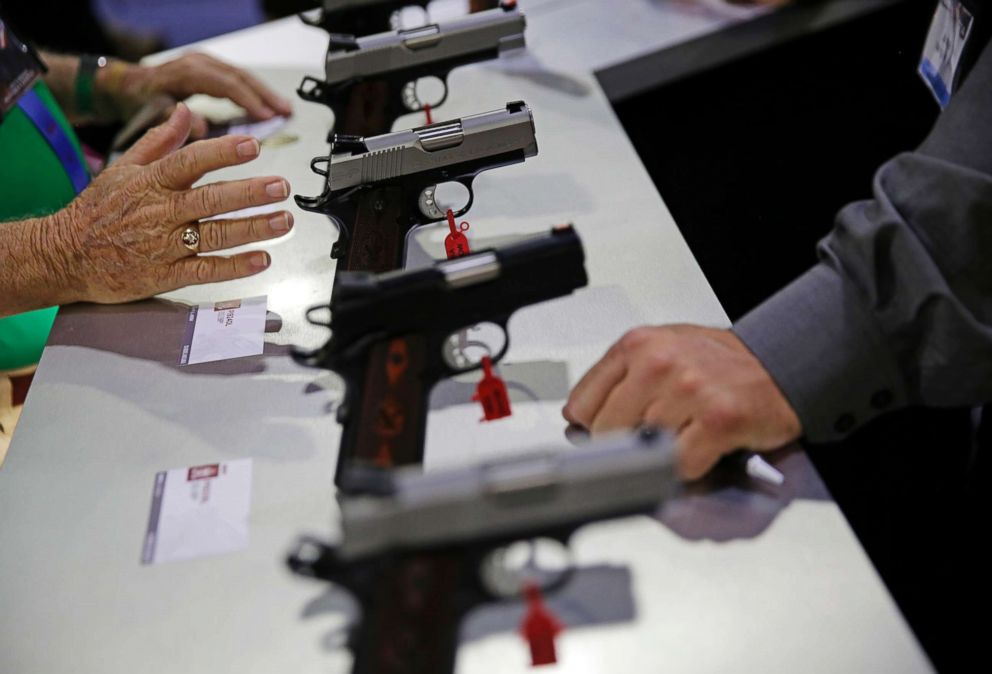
<point>491,393</point>
<point>456,243</point>
<point>427,114</point>
<point>539,627</point>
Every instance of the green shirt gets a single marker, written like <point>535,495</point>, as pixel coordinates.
<point>32,183</point>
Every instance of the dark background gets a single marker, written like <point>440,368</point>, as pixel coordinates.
<point>754,159</point>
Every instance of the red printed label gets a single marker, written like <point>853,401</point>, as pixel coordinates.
<point>203,472</point>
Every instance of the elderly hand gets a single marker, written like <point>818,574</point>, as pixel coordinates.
<point>120,239</point>
<point>127,87</point>
<point>701,382</point>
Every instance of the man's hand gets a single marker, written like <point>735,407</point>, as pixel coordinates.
<point>125,88</point>
<point>119,240</point>
<point>701,382</point>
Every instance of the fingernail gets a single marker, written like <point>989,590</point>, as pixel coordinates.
<point>248,148</point>
<point>266,112</point>
<point>280,223</point>
<point>277,189</point>
<point>259,260</point>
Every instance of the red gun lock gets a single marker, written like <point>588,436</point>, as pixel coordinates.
<point>539,627</point>
<point>491,393</point>
<point>456,243</point>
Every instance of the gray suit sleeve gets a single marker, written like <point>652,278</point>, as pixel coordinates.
<point>898,311</point>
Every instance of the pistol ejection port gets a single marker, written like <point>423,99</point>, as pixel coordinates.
<point>440,136</point>
<point>422,37</point>
<point>470,270</point>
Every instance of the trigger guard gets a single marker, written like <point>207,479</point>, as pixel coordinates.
<point>502,583</point>
<point>411,101</point>
<point>560,581</point>
<point>455,349</point>
<point>429,209</point>
<point>477,367</point>
<point>444,96</point>
<point>468,204</point>
<point>506,347</point>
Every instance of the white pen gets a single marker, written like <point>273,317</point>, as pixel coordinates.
<point>755,466</point>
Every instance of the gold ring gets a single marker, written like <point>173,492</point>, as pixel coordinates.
<point>191,238</point>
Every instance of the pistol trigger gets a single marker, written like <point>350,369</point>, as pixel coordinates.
<point>409,97</point>
<point>428,206</point>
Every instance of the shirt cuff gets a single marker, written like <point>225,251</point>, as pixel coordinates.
<point>824,352</point>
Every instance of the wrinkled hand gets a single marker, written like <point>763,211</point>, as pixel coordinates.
<point>188,75</point>
<point>119,240</point>
<point>701,382</point>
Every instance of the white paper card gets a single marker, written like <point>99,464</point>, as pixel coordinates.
<point>223,330</point>
<point>260,130</point>
<point>198,511</point>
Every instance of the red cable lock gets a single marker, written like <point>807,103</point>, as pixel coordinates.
<point>456,243</point>
<point>491,393</point>
<point>539,627</point>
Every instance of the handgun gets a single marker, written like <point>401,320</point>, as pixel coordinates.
<point>371,81</point>
<point>360,17</point>
<point>390,337</point>
<point>425,549</point>
<point>379,188</point>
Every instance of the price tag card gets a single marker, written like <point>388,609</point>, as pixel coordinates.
<point>198,511</point>
<point>223,330</point>
<point>247,127</point>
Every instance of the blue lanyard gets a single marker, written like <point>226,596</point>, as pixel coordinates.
<point>39,114</point>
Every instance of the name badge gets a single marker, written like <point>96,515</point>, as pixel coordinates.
<point>949,32</point>
<point>19,68</point>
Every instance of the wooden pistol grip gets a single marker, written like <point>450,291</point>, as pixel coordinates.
<point>388,427</point>
<point>377,234</point>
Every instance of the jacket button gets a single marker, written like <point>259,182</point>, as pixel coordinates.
<point>844,423</point>
<point>881,399</point>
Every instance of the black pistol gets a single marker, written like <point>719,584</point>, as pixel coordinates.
<point>425,550</point>
<point>392,335</point>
